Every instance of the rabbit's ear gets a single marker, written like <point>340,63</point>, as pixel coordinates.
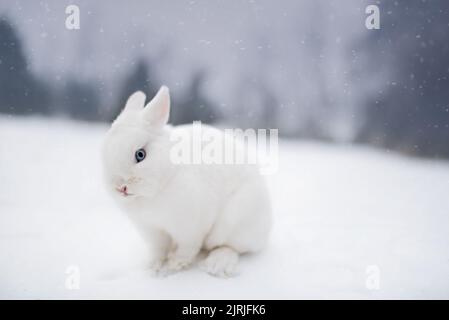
<point>157,111</point>
<point>136,101</point>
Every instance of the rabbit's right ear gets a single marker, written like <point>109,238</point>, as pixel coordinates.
<point>135,102</point>
<point>157,110</point>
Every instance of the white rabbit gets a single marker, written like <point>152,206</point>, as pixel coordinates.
<point>180,209</point>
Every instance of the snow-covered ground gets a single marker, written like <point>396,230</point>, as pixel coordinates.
<point>344,216</point>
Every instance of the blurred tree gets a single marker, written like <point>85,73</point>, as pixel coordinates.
<point>256,104</point>
<point>411,112</point>
<point>194,105</point>
<point>20,92</point>
<point>321,112</point>
<point>269,114</point>
<point>141,78</point>
<point>81,100</point>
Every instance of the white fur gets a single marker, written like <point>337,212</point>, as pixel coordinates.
<point>181,209</point>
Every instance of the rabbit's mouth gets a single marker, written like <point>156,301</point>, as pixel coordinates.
<point>124,191</point>
<point>127,195</point>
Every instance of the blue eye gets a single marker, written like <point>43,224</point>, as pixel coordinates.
<point>140,155</point>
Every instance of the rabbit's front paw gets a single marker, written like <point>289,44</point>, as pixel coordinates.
<point>221,262</point>
<point>179,259</point>
<point>177,263</point>
<point>157,267</point>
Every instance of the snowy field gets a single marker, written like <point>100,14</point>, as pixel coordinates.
<point>338,210</point>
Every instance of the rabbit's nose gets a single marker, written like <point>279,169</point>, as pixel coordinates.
<point>123,189</point>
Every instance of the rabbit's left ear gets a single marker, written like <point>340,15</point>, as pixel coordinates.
<point>157,111</point>
<point>136,101</point>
